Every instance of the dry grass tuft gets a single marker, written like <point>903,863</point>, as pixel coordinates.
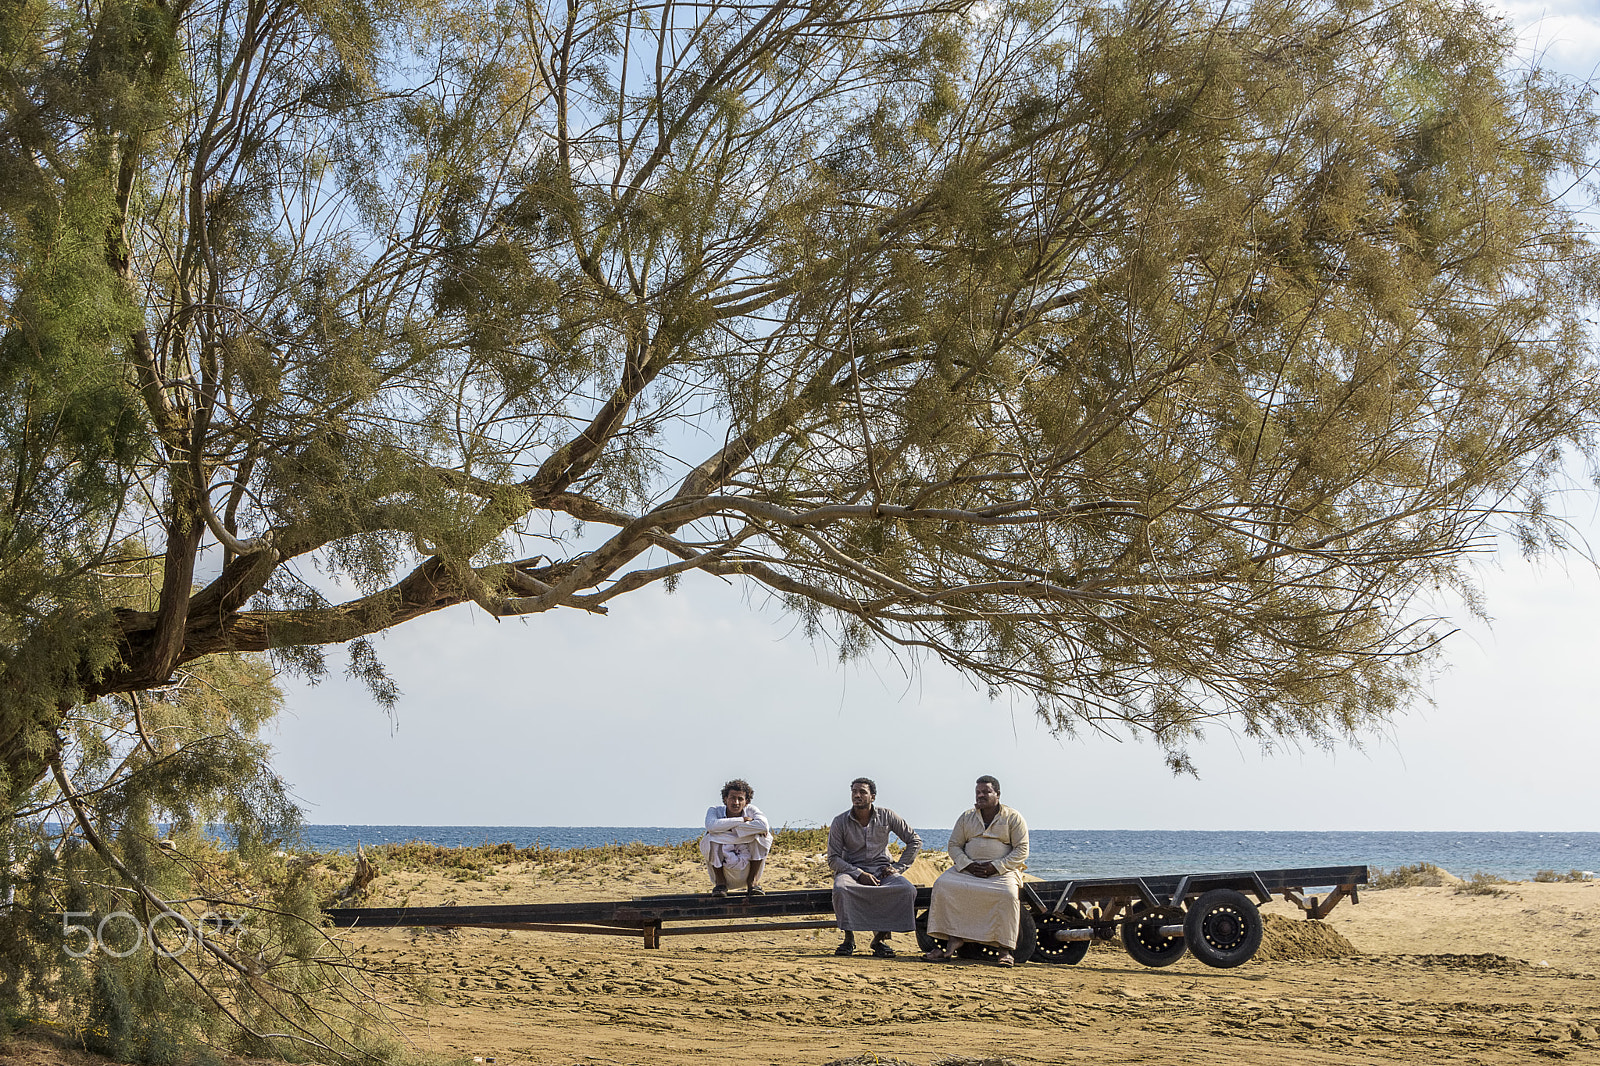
<point>417,855</point>
<point>1417,875</point>
<point>468,863</point>
<point>787,839</point>
<point>1482,884</point>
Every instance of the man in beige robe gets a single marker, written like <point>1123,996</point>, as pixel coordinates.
<point>976,899</point>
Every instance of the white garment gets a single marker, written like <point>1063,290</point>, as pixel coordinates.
<point>982,910</point>
<point>732,844</point>
<point>979,910</point>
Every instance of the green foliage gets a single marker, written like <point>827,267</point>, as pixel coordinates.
<point>71,433</point>
<point>1552,877</point>
<point>182,762</point>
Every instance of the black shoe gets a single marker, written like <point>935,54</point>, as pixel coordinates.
<point>755,890</point>
<point>720,890</point>
<point>882,949</point>
<point>847,946</point>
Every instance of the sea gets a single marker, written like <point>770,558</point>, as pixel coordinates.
<point>1059,854</point>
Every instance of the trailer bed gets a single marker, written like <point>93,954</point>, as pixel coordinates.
<point>1083,900</point>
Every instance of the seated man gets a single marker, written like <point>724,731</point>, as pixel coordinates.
<point>976,899</point>
<point>736,840</point>
<point>868,889</point>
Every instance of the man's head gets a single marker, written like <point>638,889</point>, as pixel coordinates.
<point>736,794</point>
<point>986,795</point>
<point>862,792</point>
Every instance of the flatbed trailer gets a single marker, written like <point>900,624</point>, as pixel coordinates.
<point>1159,918</point>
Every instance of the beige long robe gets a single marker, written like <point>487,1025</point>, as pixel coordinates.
<point>982,910</point>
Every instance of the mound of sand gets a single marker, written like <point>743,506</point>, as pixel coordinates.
<point>1288,940</point>
<point>926,870</point>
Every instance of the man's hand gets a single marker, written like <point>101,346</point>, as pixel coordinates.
<point>866,879</point>
<point>982,869</point>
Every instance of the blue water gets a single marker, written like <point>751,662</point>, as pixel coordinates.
<point>1064,853</point>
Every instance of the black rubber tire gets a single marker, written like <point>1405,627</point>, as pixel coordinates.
<point>1141,936</point>
<point>1027,948</point>
<point>1051,950</point>
<point>1027,940</point>
<point>1223,928</point>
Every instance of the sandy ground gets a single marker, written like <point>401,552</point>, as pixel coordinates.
<point>1431,975</point>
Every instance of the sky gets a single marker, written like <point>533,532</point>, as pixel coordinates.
<point>636,718</point>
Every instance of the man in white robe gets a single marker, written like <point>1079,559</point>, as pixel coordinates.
<point>976,899</point>
<point>736,841</point>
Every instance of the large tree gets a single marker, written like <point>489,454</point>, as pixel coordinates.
<point>1146,357</point>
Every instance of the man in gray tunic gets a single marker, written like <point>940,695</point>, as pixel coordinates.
<point>869,891</point>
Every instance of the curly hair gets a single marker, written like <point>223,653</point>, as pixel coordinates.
<point>738,784</point>
<point>987,780</point>
<point>872,786</point>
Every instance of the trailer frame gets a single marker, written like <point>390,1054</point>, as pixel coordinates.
<point>1069,911</point>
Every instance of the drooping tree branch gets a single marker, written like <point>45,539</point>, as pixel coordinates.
<point>1146,358</point>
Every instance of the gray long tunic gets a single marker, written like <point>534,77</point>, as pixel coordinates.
<point>888,907</point>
